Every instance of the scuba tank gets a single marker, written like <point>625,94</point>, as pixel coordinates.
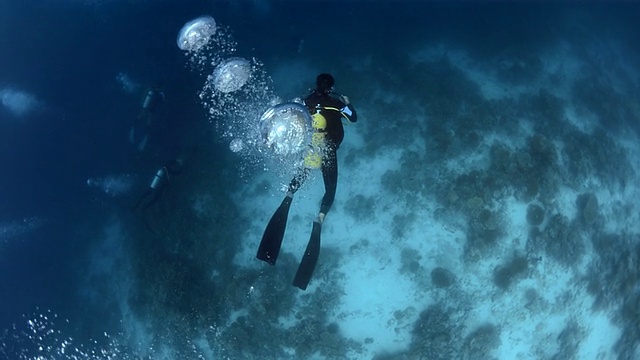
<point>152,98</point>
<point>313,158</point>
<point>160,178</point>
<point>148,101</point>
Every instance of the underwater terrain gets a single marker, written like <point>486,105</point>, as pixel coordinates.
<point>486,204</point>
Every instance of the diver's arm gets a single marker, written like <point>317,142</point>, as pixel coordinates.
<point>347,110</point>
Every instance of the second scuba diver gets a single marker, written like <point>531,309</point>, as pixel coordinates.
<point>159,184</point>
<point>138,135</point>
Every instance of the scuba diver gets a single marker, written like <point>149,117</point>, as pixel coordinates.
<point>159,184</point>
<point>327,108</point>
<point>153,97</point>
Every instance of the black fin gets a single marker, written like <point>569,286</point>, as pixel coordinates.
<point>273,234</point>
<point>310,258</point>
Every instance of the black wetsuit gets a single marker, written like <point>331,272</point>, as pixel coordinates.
<point>158,185</point>
<point>333,109</point>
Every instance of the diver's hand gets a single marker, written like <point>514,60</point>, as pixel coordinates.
<point>344,99</point>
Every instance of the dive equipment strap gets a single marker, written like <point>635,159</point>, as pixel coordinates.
<point>331,108</point>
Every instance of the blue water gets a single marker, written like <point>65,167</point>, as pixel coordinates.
<point>67,54</point>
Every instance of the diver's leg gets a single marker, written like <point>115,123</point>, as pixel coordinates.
<point>156,194</point>
<point>142,199</point>
<point>312,252</point>
<point>274,233</point>
<point>330,177</point>
<point>297,181</point>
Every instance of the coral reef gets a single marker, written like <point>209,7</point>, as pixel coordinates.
<point>410,261</point>
<point>542,151</point>
<point>588,208</point>
<point>484,231</point>
<point>480,342</point>
<point>442,278</point>
<point>595,155</point>
<point>560,240</point>
<point>535,215</point>
<point>569,341</point>
<point>436,334</point>
<point>505,275</point>
<point>402,223</point>
<point>360,207</point>
<point>614,281</point>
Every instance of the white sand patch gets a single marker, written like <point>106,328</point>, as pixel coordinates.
<point>477,160</point>
<point>526,127</point>
<point>619,210</point>
<point>565,202</point>
<point>583,120</point>
<point>492,88</point>
<point>373,292</point>
<point>515,213</point>
<point>629,141</point>
<point>380,303</point>
<point>600,335</point>
<point>530,324</point>
<point>365,177</point>
<point>619,205</point>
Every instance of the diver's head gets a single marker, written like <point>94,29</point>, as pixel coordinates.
<point>324,83</point>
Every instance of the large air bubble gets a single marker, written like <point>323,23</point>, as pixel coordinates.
<point>196,33</point>
<point>231,75</point>
<point>286,128</point>
<point>235,94</point>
